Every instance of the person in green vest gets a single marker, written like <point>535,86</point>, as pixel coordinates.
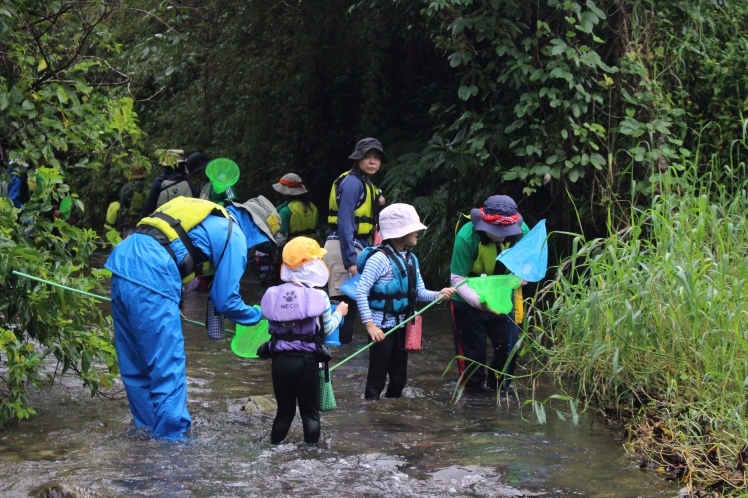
<point>299,217</point>
<point>495,226</point>
<point>298,214</point>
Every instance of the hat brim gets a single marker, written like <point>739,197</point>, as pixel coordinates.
<point>358,154</point>
<point>283,189</point>
<point>258,217</point>
<point>314,273</point>
<point>396,233</point>
<point>495,230</point>
<point>197,170</point>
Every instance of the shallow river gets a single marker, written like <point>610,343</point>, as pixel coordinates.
<point>420,445</point>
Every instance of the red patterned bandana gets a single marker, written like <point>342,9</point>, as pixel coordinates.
<point>499,219</point>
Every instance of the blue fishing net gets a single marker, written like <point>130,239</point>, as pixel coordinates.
<point>528,258</point>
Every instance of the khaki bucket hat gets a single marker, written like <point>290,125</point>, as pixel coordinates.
<point>264,215</point>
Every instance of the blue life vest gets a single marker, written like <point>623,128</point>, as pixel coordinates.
<point>397,296</point>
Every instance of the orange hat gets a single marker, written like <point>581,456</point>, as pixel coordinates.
<point>301,250</point>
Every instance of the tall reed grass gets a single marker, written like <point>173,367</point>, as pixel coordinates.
<point>652,322</point>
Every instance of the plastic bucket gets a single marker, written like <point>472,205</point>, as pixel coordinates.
<point>223,173</point>
<point>247,339</point>
<point>334,338</point>
<point>349,287</point>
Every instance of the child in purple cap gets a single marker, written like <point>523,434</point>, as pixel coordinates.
<point>492,228</point>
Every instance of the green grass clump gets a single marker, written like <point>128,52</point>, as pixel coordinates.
<point>652,323</point>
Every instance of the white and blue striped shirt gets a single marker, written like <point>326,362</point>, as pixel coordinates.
<point>330,318</point>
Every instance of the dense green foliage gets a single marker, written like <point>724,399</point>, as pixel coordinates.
<point>653,312</point>
<point>592,114</point>
<point>60,111</point>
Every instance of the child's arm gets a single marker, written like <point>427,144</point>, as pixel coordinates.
<point>426,295</point>
<point>376,267</point>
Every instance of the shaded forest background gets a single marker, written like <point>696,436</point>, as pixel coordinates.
<point>571,107</point>
<point>621,122</point>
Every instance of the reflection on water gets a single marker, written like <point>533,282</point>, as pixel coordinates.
<point>420,445</point>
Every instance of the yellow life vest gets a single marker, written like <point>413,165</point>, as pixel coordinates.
<point>363,216</point>
<point>111,215</point>
<point>304,218</point>
<point>172,221</point>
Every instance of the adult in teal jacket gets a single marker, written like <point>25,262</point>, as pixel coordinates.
<point>146,290</point>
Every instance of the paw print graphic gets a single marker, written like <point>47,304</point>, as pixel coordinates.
<point>289,296</point>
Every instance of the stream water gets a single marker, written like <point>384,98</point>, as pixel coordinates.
<point>420,445</point>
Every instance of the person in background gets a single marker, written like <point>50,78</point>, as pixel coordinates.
<point>296,348</point>
<point>298,217</point>
<point>183,238</point>
<point>131,201</point>
<point>353,206</point>
<point>206,190</point>
<point>15,187</point>
<point>298,214</point>
<point>171,183</point>
<point>387,293</point>
<point>492,228</point>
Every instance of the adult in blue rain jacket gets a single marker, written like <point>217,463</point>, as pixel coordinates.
<point>146,289</point>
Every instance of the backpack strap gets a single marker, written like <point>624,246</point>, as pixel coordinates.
<point>403,267</point>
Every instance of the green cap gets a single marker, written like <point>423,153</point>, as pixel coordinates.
<point>223,173</point>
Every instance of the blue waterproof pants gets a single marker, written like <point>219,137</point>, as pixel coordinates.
<point>150,351</point>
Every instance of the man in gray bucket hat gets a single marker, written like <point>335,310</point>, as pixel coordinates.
<point>353,208</point>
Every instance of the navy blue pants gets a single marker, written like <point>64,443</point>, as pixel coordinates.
<point>296,379</point>
<point>387,358</point>
<point>471,327</point>
<point>346,329</point>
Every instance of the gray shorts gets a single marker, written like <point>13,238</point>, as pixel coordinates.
<point>338,271</point>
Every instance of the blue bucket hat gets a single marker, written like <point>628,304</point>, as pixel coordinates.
<point>498,216</point>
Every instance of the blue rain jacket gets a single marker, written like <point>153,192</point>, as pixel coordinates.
<point>146,288</point>
<point>141,260</point>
